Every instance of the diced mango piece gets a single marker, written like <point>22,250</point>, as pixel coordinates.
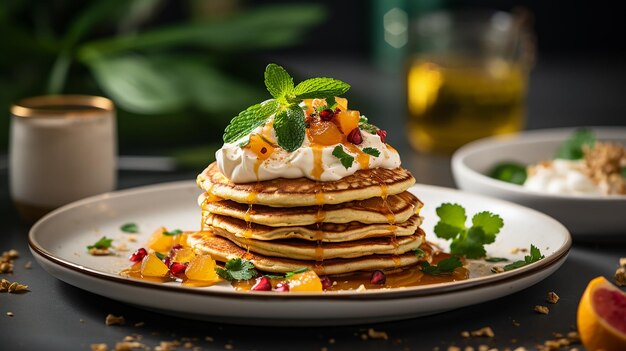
<point>313,104</point>
<point>184,255</point>
<point>260,146</point>
<point>342,103</point>
<point>202,268</point>
<point>347,120</point>
<point>180,239</point>
<point>306,281</point>
<point>152,266</point>
<point>159,242</point>
<point>324,133</point>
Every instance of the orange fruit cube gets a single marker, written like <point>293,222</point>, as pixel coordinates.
<point>202,268</point>
<point>342,103</point>
<point>159,242</point>
<point>152,266</point>
<point>347,120</point>
<point>306,281</point>
<point>183,255</point>
<point>261,147</point>
<point>324,133</point>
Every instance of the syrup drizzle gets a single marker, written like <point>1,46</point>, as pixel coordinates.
<point>318,167</point>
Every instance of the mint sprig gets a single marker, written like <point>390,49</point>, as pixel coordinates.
<point>289,124</point>
<point>345,158</point>
<point>237,269</point>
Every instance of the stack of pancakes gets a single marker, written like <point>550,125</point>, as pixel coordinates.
<point>366,221</point>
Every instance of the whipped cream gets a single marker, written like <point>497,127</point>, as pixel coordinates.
<point>561,177</point>
<point>241,165</point>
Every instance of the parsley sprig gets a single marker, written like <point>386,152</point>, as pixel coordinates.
<point>289,122</point>
<point>346,159</point>
<point>103,243</point>
<point>572,148</point>
<point>535,255</point>
<point>444,267</point>
<point>237,269</point>
<point>469,242</point>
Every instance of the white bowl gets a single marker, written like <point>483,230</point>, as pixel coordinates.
<point>586,216</point>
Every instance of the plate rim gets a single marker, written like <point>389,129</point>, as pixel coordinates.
<point>378,294</point>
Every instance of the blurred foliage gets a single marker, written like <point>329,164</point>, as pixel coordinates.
<point>177,71</point>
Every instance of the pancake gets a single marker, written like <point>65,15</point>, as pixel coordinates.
<point>395,209</point>
<point>306,250</point>
<point>223,250</point>
<point>326,232</point>
<point>363,184</point>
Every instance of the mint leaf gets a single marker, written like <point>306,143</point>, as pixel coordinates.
<point>290,128</point>
<point>535,255</point>
<point>278,82</point>
<point>371,151</point>
<point>320,88</point>
<point>496,259</point>
<point>330,102</point>
<point>237,269</point>
<point>509,172</point>
<point>297,271</point>
<point>159,255</point>
<point>129,228</point>
<point>469,242</point>
<point>173,232</point>
<point>572,148</point>
<point>444,267</point>
<point>103,243</point>
<point>345,158</point>
<point>247,120</point>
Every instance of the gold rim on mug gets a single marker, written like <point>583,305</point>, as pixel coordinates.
<point>62,106</point>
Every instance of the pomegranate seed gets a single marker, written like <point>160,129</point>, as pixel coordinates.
<point>326,282</point>
<point>177,268</point>
<point>138,255</point>
<point>382,134</point>
<point>262,284</point>
<point>337,110</point>
<point>355,136</point>
<point>282,287</point>
<point>378,278</point>
<point>167,261</point>
<point>177,247</point>
<point>327,115</point>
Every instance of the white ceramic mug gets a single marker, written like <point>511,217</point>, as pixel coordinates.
<point>62,148</point>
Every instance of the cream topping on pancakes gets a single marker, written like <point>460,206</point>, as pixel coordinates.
<point>241,165</point>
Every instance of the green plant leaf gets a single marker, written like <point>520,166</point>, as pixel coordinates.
<point>263,27</point>
<point>371,151</point>
<point>346,159</point>
<point>278,82</point>
<point>290,128</point>
<point>248,120</point>
<point>572,148</point>
<point>129,228</point>
<point>237,269</point>
<point>490,224</point>
<point>509,172</point>
<point>320,88</point>
<point>444,267</point>
<point>136,85</point>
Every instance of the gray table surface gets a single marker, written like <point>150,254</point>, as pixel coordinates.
<point>58,316</point>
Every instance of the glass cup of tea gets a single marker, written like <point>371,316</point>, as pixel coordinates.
<point>467,77</point>
<point>62,148</point>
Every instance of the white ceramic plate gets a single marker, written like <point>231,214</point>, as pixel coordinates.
<point>58,243</point>
<point>586,216</point>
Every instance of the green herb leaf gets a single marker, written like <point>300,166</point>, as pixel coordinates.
<point>278,82</point>
<point>290,128</point>
<point>623,172</point>
<point>330,102</point>
<point>320,88</point>
<point>173,232</point>
<point>297,271</point>
<point>496,259</point>
<point>371,151</point>
<point>248,120</point>
<point>444,267</point>
<point>237,269</point>
<point>103,243</point>
<point>535,255</point>
<point>345,158</point>
<point>572,148</point>
<point>419,253</point>
<point>272,276</point>
<point>130,228</point>
<point>509,172</point>
<point>366,126</point>
<point>159,255</point>
<point>469,242</point>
